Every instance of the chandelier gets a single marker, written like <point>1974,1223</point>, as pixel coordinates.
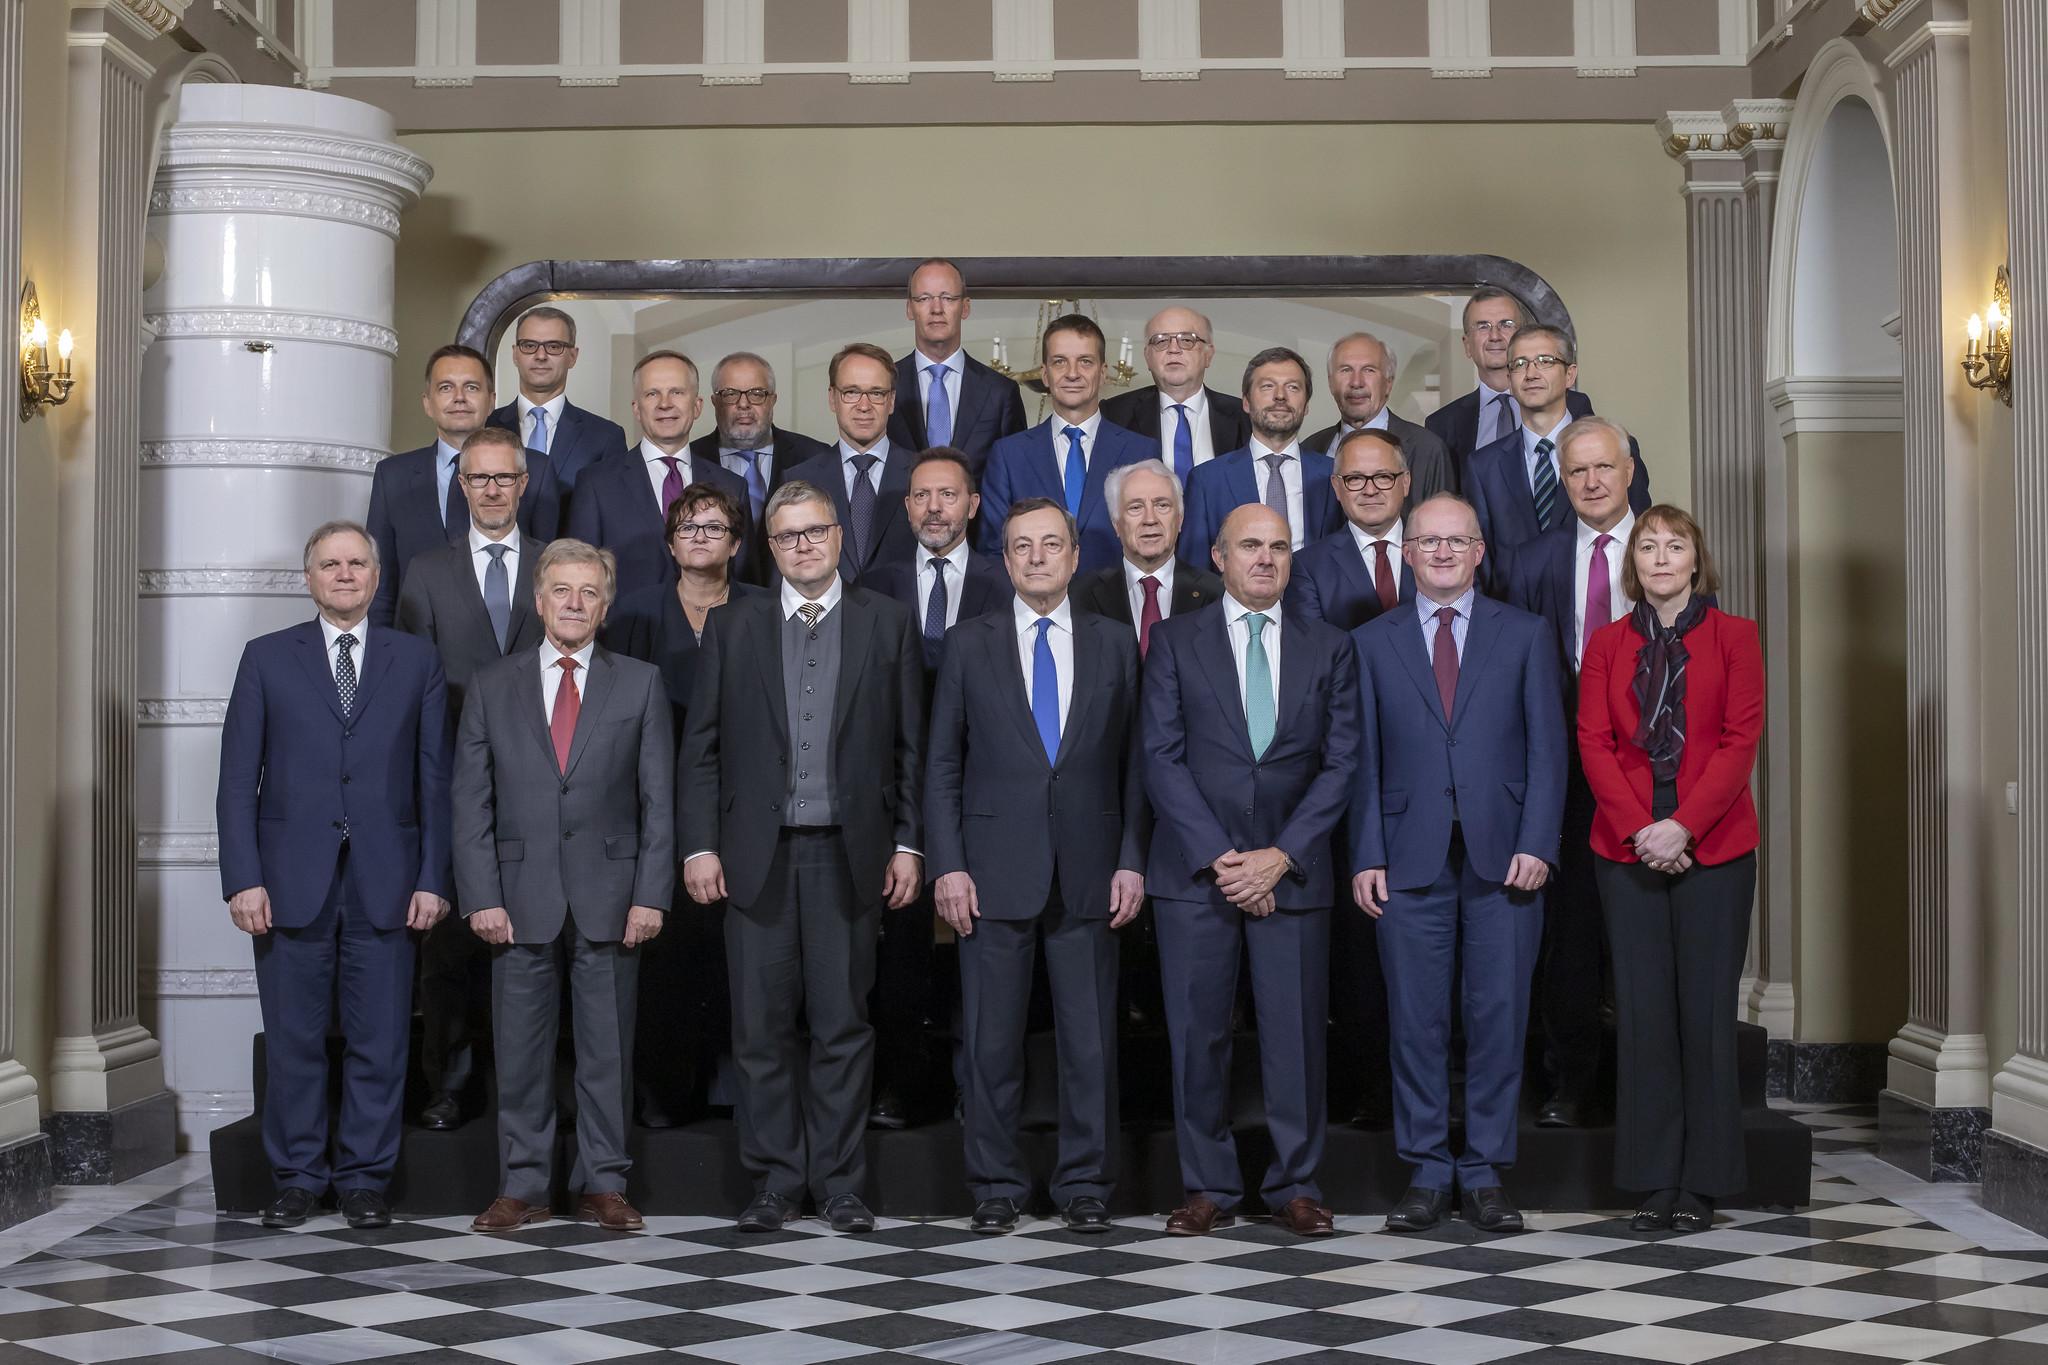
<point>1117,373</point>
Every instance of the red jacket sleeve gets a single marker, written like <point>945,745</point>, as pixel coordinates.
<point>1600,741</point>
<point>1726,775</point>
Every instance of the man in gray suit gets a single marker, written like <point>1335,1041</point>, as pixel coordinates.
<point>565,740</point>
<point>1362,380</point>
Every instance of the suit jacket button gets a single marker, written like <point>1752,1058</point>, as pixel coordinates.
<point>565,789</point>
<point>774,805</point>
<point>344,779</point>
<point>1247,810</point>
<point>568,834</point>
<point>341,824</point>
<point>1450,791</point>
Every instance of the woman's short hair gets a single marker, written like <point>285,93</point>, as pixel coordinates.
<point>1679,522</point>
<point>697,497</point>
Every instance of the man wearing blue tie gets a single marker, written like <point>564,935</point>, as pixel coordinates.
<point>1192,422</point>
<point>944,396</point>
<point>1067,457</point>
<point>541,415</point>
<point>747,442</point>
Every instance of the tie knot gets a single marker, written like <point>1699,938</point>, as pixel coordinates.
<point>1181,408</point>
<point>670,461</point>
<point>1446,615</point>
<point>1255,621</point>
<point>938,566</point>
<point>1044,624</point>
<point>1545,446</point>
<point>1149,584</point>
<point>567,665</point>
<point>1601,542</point>
<point>937,372</point>
<point>345,643</point>
<point>1073,433</point>
<point>864,462</point>
<point>750,456</point>
<point>810,611</point>
<point>496,552</point>
<point>1273,461</point>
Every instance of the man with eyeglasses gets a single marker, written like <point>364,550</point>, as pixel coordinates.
<point>1361,373</point>
<point>622,505</point>
<point>541,415</point>
<point>867,473</point>
<point>1273,467</point>
<point>474,603</point>
<point>416,501</point>
<point>944,396</point>
<point>1513,483</point>
<point>800,783</point>
<point>1453,832</point>
<point>1192,422</point>
<point>747,442</point>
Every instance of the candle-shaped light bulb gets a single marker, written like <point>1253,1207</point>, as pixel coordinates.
<point>1993,320</point>
<point>64,348</point>
<point>1975,327</point>
<point>39,334</point>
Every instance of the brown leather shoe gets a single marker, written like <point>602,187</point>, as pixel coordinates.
<point>1304,1217</point>
<point>1196,1218</point>
<point>610,1212</point>
<point>507,1213</point>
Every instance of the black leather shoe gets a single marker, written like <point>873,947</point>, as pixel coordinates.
<point>290,1208</point>
<point>1693,1214</point>
<point>888,1111</point>
<point>767,1213</point>
<point>846,1213</point>
<point>1086,1213</point>
<point>1655,1214</point>
<point>992,1216</point>
<point>1489,1210</point>
<point>365,1208</point>
<point>442,1113</point>
<point>1419,1210</point>
<point>1560,1112</point>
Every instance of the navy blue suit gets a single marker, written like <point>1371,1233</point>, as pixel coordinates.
<point>615,507</point>
<point>1032,464</point>
<point>1444,806</point>
<point>1222,485</point>
<point>1457,425</point>
<point>990,408</point>
<point>1210,794</point>
<point>1331,582</point>
<point>578,441</point>
<point>406,517</point>
<point>986,588</point>
<point>340,818</point>
<point>1497,485</point>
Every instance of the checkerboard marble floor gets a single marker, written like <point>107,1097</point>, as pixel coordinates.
<point>147,1271</point>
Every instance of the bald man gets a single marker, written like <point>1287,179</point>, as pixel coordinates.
<point>1192,422</point>
<point>1361,371</point>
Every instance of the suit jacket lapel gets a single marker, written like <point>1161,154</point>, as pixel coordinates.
<point>1318,504</point>
<point>1212,647</point>
<point>597,690</point>
<point>1480,634</point>
<point>1244,481</point>
<point>522,591</point>
<point>535,704</point>
<point>1291,687</point>
<point>1186,596</point>
<point>313,654</point>
<point>908,406</point>
<point>1351,568</point>
<point>1414,655</point>
<point>1094,506</point>
<point>768,622</point>
<point>856,631</point>
<point>974,391</point>
<point>1009,667</point>
<point>472,594</point>
<point>1086,683</point>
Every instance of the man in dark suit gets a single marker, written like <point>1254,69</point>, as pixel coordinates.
<point>802,772</point>
<point>1488,412</point>
<point>416,501</point>
<point>1453,831</point>
<point>1192,423</point>
<point>747,442</point>
<point>1273,468</point>
<point>1571,577</point>
<point>474,603</point>
<point>1513,484</point>
<point>1033,815</point>
<point>1148,585</point>
<point>1068,456</point>
<point>868,471</point>
<point>1361,380</point>
<point>541,415</point>
<point>621,505</point>
<point>563,740</point>
<point>975,407</point>
<point>329,874</point>
<point>1250,729</point>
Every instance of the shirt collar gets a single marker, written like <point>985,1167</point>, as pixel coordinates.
<point>1426,608</point>
<point>956,362</point>
<point>1377,422</point>
<point>1489,397</point>
<point>880,450</point>
<point>1133,576</point>
<point>549,653</point>
<point>445,454</point>
<point>1365,542</point>
<point>1061,616</point>
<point>1530,438</point>
<point>479,542</point>
<point>792,599</point>
<point>654,454</point>
<point>1623,529</point>
<point>956,559</point>
<point>1090,425</point>
<point>1260,450</point>
<point>766,447</point>
<point>1235,611</point>
<point>553,407</point>
<point>1196,403</point>
<point>329,633</point>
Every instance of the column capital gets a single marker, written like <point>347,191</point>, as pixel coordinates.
<point>1692,135</point>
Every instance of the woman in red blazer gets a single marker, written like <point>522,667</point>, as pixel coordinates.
<point>1671,706</point>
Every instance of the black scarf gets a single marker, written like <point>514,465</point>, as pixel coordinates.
<point>1660,684</point>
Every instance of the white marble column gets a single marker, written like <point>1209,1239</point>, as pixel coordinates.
<point>266,403</point>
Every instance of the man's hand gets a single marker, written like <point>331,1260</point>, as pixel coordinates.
<point>425,911</point>
<point>492,926</point>
<point>958,906</point>
<point>1663,842</point>
<point>1258,907</point>
<point>1244,877</point>
<point>250,910</point>
<point>704,879</point>
<point>1126,897</point>
<point>1527,872</point>
<point>899,885</point>
<point>642,923</point>
<point>1369,889</point>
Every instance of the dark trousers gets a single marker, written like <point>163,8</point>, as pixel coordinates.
<point>1571,973</point>
<point>1679,944</point>
<point>901,1004</point>
<point>455,994</point>
<point>685,1014</point>
<point>1200,947</point>
<point>1420,936</point>
<point>526,1004</point>
<point>995,989</point>
<point>807,944</point>
<point>300,974</point>
<point>1358,1011</point>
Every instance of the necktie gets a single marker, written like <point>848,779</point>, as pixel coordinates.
<point>1544,481</point>
<point>1383,576</point>
<point>345,672</point>
<point>1258,685</point>
<point>540,431</point>
<point>568,705</point>
<point>1077,470</point>
<point>1276,488</point>
<point>1599,593</point>
<point>935,606</point>
<point>498,595</point>
<point>1045,692</point>
<point>455,508</point>
<point>1148,617</point>
<point>1183,445</point>
<point>1444,658</point>
<point>938,410</point>
<point>757,488</point>
<point>863,506</point>
<point>1503,419</point>
<point>671,486</point>
<point>811,612</point>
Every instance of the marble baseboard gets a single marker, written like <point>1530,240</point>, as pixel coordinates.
<point>2016,1181</point>
<point>106,1147</point>
<point>1939,1145</point>
<point>25,1179</point>
<point>1833,1073</point>
<point>1778,1069</point>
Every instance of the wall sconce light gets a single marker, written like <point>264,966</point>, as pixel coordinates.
<point>41,385</point>
<point>1987,363</point>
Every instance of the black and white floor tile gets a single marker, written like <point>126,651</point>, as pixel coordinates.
<point>147,1271</point>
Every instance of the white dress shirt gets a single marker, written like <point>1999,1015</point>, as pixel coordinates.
<point>551,673</point>
<point>445,459</point>
<point>1582,561</point>
<point>1460,624</point>
<point>1060,639</point>
<point>1530,457</point>
<point>828,599</point>
<point>956,580</point>
<point>954,365</point>
<point>1234,613</point>
<point>553,408</point>
<point>880,450</point>
<point>657,472</point>
<point>1290,478</point>
<point>1489,405</point>
<point>1365,541</point>
<point>1134,588</point>
<point>480,559</point>
<point>1197,404</point>
<point>329,632</point>
<point>1091,427</point>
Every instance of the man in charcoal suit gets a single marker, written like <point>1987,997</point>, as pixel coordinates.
<point>973,406</point>
<point>867,472</point>
<point>1361,374</point>
<point>747,442</point>
<point>1192,422</point>
<point>541,415</point>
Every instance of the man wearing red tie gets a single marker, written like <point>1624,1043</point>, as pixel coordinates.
<point>1149,584</point>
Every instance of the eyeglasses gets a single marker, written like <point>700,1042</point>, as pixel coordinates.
<point>949,300</point>
<point>483,481</point>
<point>786,540</point>
<point>536,347</point>
<point>1545,363</point>
<point>1504,327</point>
<point>758,397</point>
<point>1455,544</point>
<point>854,396</point>
<point>702,530</point>
<point>1175,341</point>
<point>1383,480</point>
